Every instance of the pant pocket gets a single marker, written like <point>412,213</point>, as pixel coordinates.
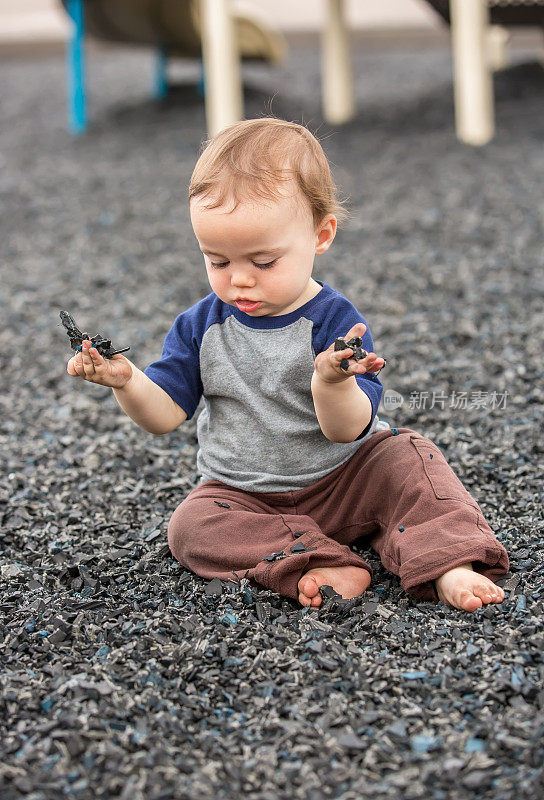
<point>445,483</point>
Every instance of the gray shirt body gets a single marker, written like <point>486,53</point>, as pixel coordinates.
<point>258,430</point>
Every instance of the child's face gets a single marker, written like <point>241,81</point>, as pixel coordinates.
<point>263,251</point>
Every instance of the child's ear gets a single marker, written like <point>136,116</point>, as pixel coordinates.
<point>325,233</point>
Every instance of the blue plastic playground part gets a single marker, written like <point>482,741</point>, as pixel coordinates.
<point>77,106</point>
<point>202,82</point>
<point>76,68</point>
<point>161,76</point>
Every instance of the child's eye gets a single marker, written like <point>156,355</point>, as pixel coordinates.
<point>267,265</point>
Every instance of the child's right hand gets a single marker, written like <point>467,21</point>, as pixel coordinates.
<point>91,366</point>
<point>327,364</point>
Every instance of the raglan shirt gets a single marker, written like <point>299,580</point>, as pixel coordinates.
<point>258,430</point>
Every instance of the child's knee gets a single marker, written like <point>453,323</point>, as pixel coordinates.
<point>180,530</point>
<point>192,531</point>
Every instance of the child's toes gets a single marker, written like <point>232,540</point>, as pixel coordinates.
<point>308,592</point>
<point>314,602</point>
<point>497,593</point>
<point>468,600</point>
<point>308,586</point>
<point>489,592</point>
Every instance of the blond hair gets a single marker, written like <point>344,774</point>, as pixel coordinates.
<point>253,158</point>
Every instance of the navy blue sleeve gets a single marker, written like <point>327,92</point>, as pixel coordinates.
<point>178,369</point>
<point>341,317</point>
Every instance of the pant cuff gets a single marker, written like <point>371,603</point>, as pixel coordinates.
<point>418,582</point>
<point>282,576</point>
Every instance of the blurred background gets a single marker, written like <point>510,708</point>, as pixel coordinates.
<point>442,250</point>
<point>23,21</point>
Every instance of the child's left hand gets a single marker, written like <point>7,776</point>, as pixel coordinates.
<point>327,363</point>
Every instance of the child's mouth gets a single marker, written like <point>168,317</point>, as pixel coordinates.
<point>246,305</point>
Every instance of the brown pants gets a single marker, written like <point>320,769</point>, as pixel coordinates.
<point>397,489</point>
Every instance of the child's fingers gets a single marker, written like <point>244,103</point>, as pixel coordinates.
<point>86,358</point>
<point>338,355</point>
<point>76,365</point>
<point>358,330</point>
<point>87,363</point>
<point>372,363</point>
<point>377,361</point>
<point>99,362</point>
<point>369,363</point>
<point>70,368</point>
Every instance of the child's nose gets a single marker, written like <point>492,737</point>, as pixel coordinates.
<point>242,277</point>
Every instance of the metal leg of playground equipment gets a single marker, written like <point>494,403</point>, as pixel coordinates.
<point>497,41</point>
<point>75,55</point>
<point>336,72</point>
<point>223,97</point>
<point>161,74</point>
<point>473,80</point>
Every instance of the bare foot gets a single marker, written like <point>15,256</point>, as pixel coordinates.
<point>348,581</point>
<point>463,588</point>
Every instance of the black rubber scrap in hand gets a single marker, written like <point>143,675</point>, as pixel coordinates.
<point>358,353</point>
<point>104,346</point>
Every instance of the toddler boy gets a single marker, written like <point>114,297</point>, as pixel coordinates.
<point>294,463</point>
